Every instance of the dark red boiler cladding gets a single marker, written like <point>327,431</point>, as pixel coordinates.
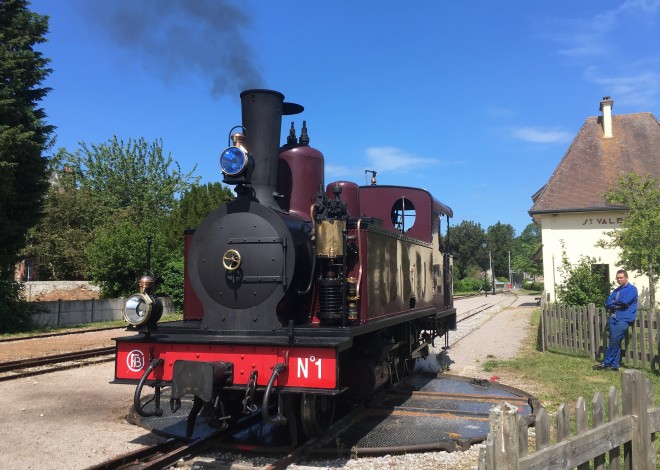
<point>301,169</point>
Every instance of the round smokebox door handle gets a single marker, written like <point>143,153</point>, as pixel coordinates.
<point>231,260</point>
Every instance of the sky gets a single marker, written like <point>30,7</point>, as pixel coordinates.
<point>476,102</point>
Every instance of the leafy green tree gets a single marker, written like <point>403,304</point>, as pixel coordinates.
<point>134,187</point>
<point>524,247</point>
<point>638,236</point>
<point>70,217</point>
<point>173,280</point>
<point>582,284</point>
<point>24,134</point>
<point>133,174</point>
<point>15,313</point>
<point>118,255</point>
<point>499,238</point>
<point>463,241</point>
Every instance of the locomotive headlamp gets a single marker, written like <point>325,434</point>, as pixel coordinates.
<point>233,161</point>
<point>138,309</point>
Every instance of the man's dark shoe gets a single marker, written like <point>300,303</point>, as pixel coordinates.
<point>605,367</point>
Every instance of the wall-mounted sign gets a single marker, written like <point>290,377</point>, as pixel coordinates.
<point>603,221</point>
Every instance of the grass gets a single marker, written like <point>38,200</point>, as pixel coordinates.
<point>562,378</point>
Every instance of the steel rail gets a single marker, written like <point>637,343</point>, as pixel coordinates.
<point>16,369</point>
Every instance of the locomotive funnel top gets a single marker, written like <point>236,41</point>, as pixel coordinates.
<point>262,112</point>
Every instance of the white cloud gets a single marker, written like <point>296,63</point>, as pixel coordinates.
<point>597,36</point>
<point>636,90</point>
<point>647,6</point>
<point>383,160</point>
<point>338,171</point>
<point>536,135</point>
<point>386,159</point>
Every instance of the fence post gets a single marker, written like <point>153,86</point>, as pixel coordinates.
<point>59,311</point>
<point>544,320</point>
<point>639,453</point>
<point>504,429</point>
<point>591,313</point>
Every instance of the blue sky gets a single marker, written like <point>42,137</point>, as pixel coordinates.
<point>475,101</point>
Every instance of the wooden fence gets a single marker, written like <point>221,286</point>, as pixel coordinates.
<point>584,331</point>
<point>507,443</point>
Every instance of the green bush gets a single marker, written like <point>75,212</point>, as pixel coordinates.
<point>530,285</point>
<point>173,281</point>
<point>469,284</point>
<point>15,313</point>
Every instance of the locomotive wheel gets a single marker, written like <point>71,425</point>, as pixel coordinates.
<point>317,413</point>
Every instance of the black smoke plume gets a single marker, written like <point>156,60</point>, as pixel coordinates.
<point>178,37</point>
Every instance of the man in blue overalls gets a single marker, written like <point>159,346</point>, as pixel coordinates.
<point>622,305</point>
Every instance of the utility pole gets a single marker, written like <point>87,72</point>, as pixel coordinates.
<point>492,273</point>
<point>510,284</point>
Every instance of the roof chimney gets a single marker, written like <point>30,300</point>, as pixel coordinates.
<point>606,108</point>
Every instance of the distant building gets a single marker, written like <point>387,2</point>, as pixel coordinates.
<point>571,207</point>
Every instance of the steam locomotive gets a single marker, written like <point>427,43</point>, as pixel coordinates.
<point>298,296</point>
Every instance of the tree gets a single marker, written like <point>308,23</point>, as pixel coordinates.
<point>24,134</point>
<point>638,236</point>
<point>15,313</point>
<point>464,243</point>
<point>118,255</point>
<point>499,238</point>
<point>134,187</point>
<point>524,247</point>
<point>60,240</point>
<point>133,174</point>
<point>582,284</point>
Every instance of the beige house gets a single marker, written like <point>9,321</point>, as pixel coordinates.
<point>571,208</point>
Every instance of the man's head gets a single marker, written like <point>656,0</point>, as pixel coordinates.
<point>621,277</point>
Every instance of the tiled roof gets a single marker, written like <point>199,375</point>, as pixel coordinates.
<point>592,163</point>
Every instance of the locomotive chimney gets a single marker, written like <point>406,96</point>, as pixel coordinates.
<point>262,118</point>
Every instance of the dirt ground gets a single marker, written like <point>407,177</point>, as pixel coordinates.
<point>39,347</point>
<point>75,418</point>
<point>501,337</point>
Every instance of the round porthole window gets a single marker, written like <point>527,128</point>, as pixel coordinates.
<point>403,215</point>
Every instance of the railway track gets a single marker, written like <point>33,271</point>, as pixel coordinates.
<point>60,333</point>
<point>448,413</point>
<point>156,456</point>
<point>481,308</point>
<point>41,365</point>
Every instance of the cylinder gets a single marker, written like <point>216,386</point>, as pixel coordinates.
<point>330,238</point>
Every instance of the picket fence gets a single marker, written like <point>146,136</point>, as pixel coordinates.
<point>584,331</point>
<point>634,430</point>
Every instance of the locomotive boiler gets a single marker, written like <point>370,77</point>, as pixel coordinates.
<point>298,295</point>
